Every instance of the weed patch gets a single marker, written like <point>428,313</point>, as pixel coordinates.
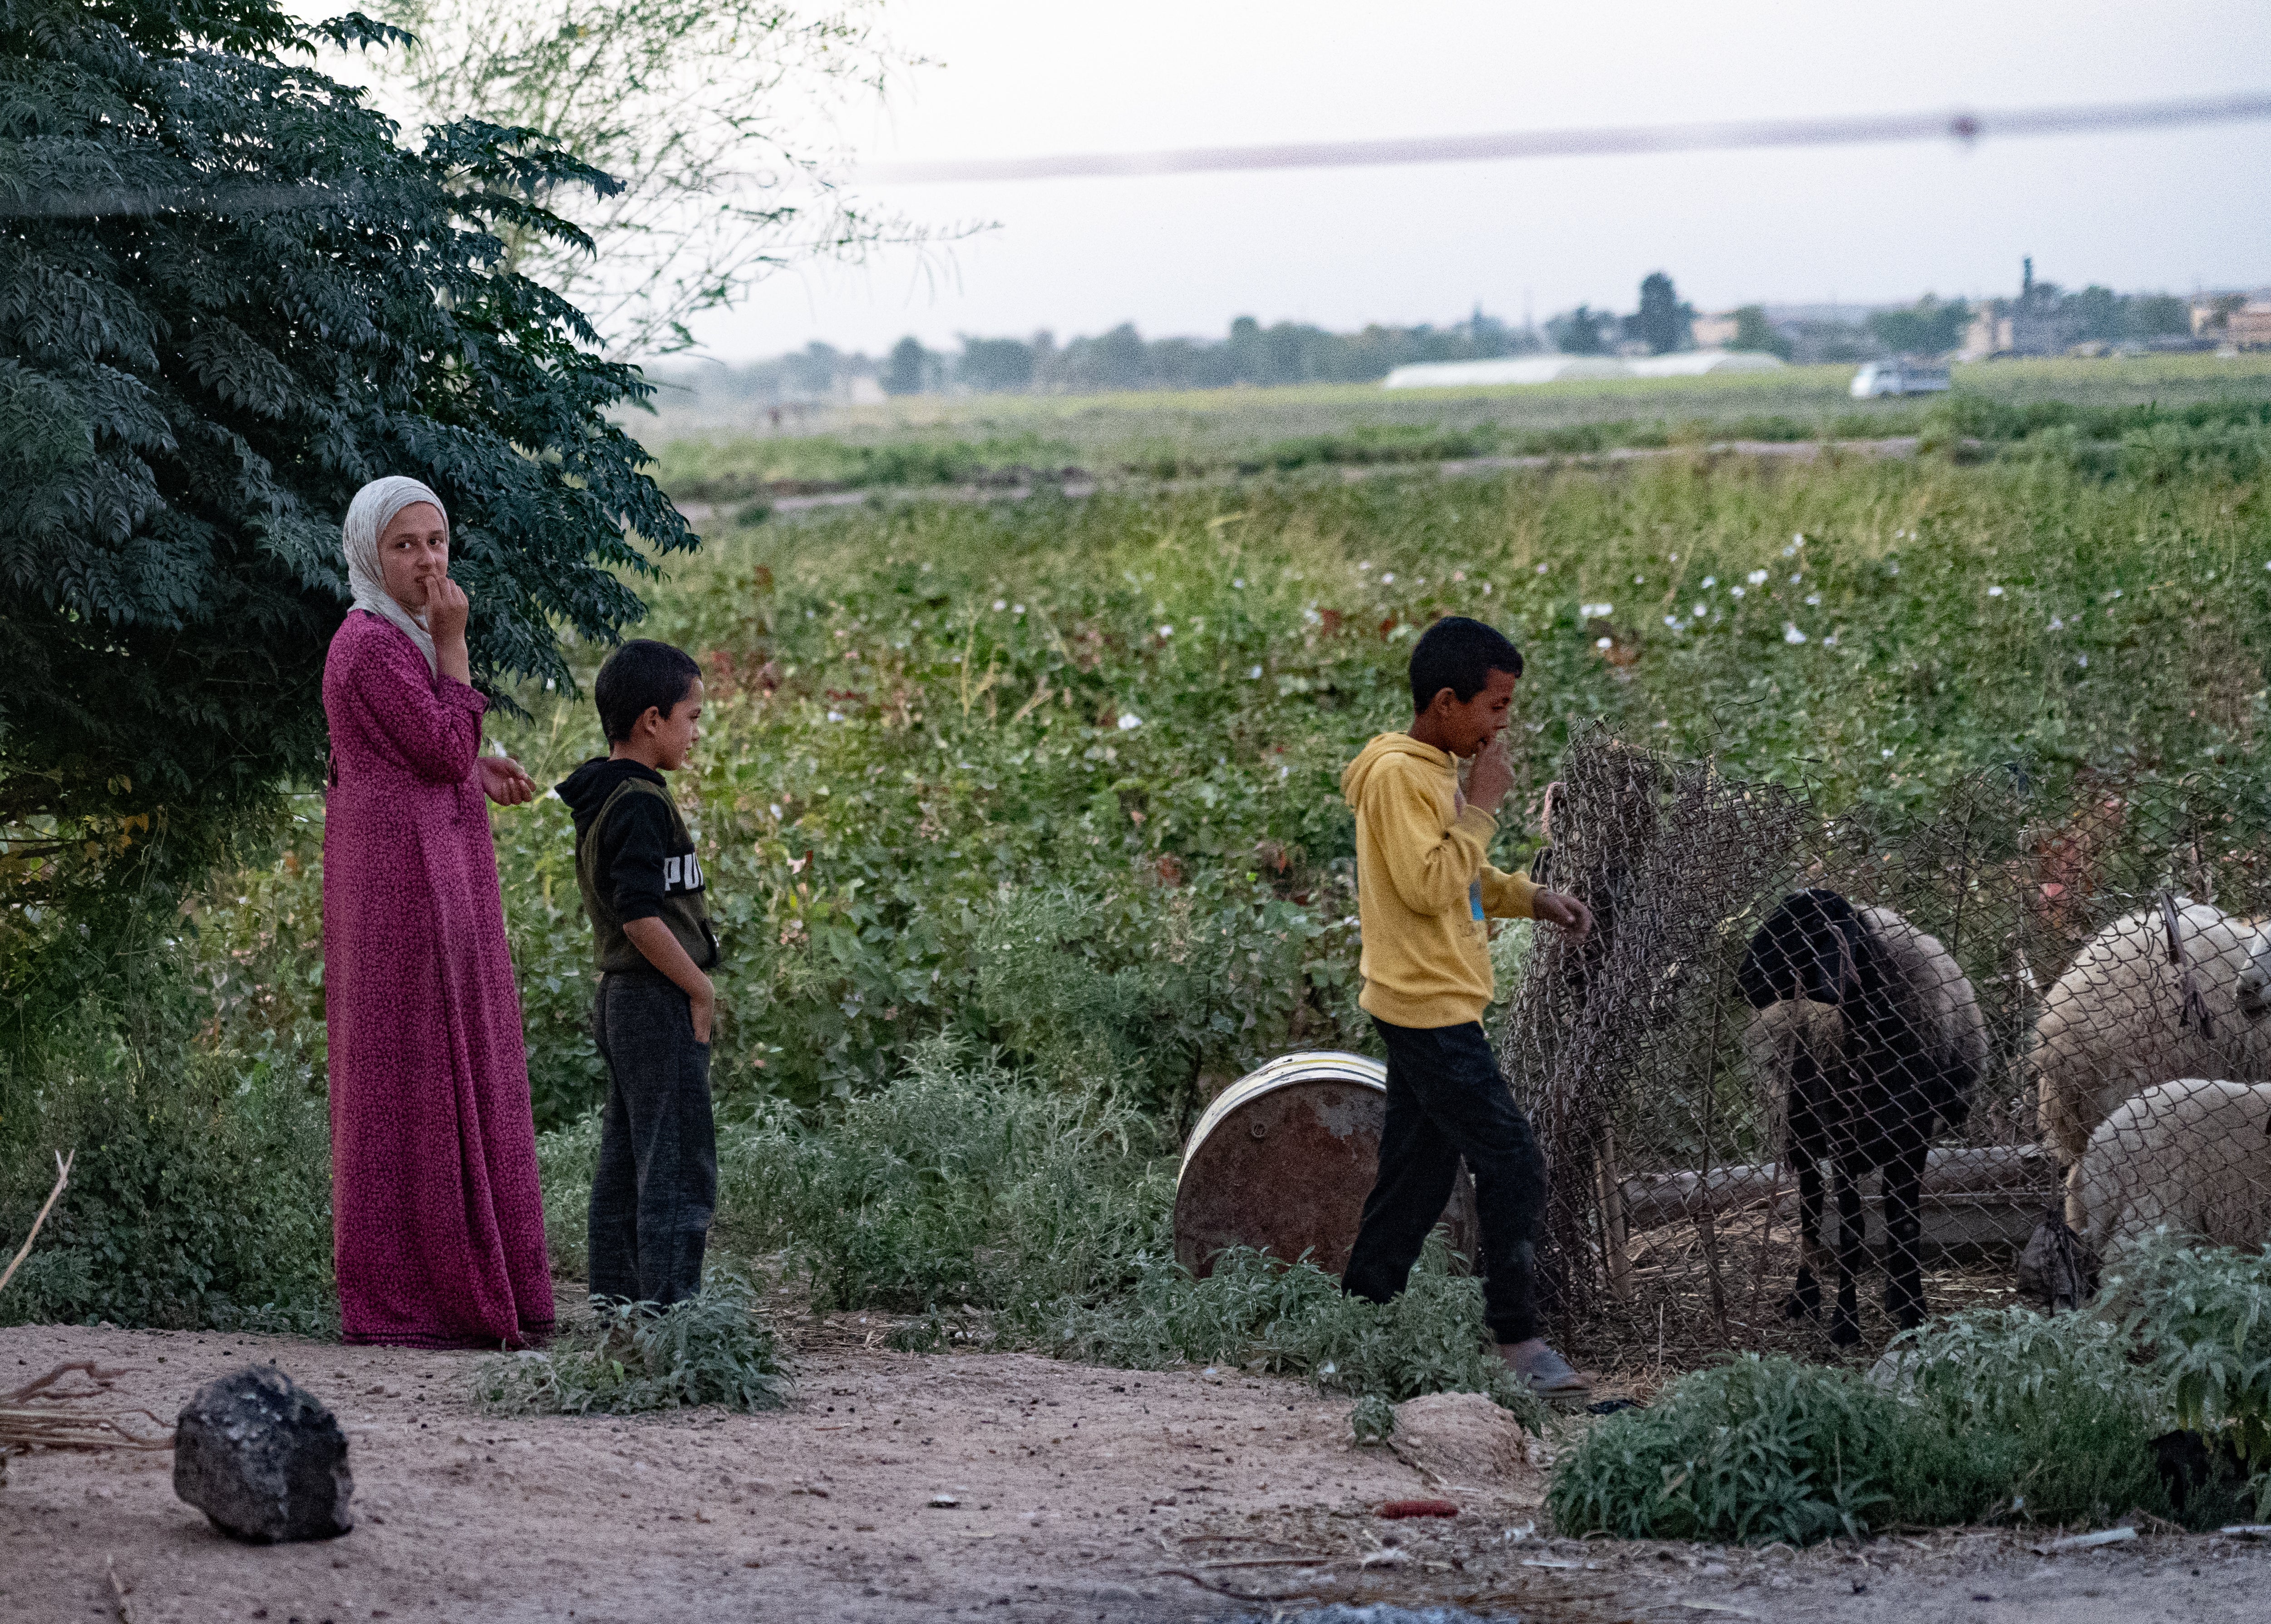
<point>714,1349</point>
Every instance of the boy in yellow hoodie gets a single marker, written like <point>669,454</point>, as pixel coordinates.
<point>1423,893</point>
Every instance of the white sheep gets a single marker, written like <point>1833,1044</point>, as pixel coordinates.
<point>2119,1021</point>
<point>2193,1155</point>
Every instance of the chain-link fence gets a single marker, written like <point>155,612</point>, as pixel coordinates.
<point>1785,1022</point>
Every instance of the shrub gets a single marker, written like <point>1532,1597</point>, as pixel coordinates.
<point>1987,1415</point>
<point>1262,1314</point>
<point>2202,1314</point>
<point>200,1192</point>
<point>714,1349</point>
<point>234,295</point>
<point>2059,1398</point>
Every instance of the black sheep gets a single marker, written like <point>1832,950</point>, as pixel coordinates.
<point>1876,1037</point>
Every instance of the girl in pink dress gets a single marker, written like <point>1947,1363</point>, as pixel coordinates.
<point>438,1225</point>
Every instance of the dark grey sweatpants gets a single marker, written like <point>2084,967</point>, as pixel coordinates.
<point>656,1182</point>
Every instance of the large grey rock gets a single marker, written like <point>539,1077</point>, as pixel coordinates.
<point>263,1459</point>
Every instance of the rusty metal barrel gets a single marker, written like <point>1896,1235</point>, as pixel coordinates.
<point>1283,1160</point>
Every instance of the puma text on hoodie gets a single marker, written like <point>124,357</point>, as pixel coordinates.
<point>1423,887</point>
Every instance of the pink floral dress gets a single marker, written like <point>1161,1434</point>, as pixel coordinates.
<point>437,1225</point>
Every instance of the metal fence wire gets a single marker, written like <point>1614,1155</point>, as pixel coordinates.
<point>1789,1028</point>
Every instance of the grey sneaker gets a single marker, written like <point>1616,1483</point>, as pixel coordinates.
<point>1548,1375</point>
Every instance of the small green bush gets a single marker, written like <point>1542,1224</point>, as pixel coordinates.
<point>714,1349</point>
<point>200,1188</point>
<point>1757,1449</point>
<point>2203,1316</point>
<point>1262,1314</point>
<point>1985,1416</point>
<point>1373,1420</point>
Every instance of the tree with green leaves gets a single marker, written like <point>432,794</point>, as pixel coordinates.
<point>1925,328</point>
<point>1755,332</point>
<point>1579,331</point>
<point>1662,322</point>
<point>228,296</point>
<point>719,117</point>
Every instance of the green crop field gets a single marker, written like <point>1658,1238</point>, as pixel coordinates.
<point>1061,776</point>
<point>712,447</point>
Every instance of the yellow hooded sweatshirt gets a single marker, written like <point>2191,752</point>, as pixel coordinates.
<point>1423,889</point>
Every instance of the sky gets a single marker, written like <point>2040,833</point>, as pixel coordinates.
<point>1184,255</point>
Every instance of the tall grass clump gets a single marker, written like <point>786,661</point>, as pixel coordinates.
<point>716,1348</point>
<point>1997,1416</point>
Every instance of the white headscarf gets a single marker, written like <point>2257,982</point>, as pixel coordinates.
<point>368,515</point>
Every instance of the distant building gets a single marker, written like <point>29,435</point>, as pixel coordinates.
<point>1714,333</point>
<point>2249,327</point>
<point>2242,320</point>
<point>1571,369</point>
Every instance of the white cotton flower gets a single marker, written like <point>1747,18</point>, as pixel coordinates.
<point>1757,577</point>
<point>1888,755</point>
<point>1604,642</point>
<point>2057,624</point>
<point>1388,578</point>
<point>1736,591</point>
<point>1254,675</point>
<point>835,716</point>
<point>1673,621</point>
<point>1166,631</point>
<point>1790,633</point>
<point>1130,722</point>
<point>1702,609</point>
<point>1240,583</point>
<point>1366,564</point>
<point>1994,592</point>
<point>1813,601</point>
<point>2083,662</point>
<point>1596,611</point>
<point>1541,568</point>
<point>1710,581</point>
<point>1016,608</point>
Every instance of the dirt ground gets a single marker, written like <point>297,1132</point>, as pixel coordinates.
<point>1080,1493</point>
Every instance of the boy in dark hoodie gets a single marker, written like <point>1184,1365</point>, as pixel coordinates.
<point>1425,892</point>
<point>656,1181</point>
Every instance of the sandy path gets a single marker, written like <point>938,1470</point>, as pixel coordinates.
<point>1084,1494</point>
<point>1075,1484</point>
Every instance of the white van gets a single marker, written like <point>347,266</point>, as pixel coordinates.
<point>1899,378</point>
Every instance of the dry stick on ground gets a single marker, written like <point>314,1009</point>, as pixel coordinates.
<point>25,1420</point>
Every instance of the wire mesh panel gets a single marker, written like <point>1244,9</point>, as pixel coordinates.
<point>1788,1028</point>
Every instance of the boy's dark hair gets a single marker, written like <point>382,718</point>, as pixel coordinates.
<point>1459,654</point>
<point>640,674</point>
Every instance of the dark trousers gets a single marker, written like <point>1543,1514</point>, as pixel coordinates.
<point>1446,1100</point>
<point>656,1182</point>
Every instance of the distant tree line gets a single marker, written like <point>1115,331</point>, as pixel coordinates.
<point>1282,353</point>
<point>1298,353</point>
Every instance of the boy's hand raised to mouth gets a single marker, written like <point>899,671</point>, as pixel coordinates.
<point>1492,777</point>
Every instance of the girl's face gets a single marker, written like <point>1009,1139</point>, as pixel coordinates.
<point>413,551</point>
